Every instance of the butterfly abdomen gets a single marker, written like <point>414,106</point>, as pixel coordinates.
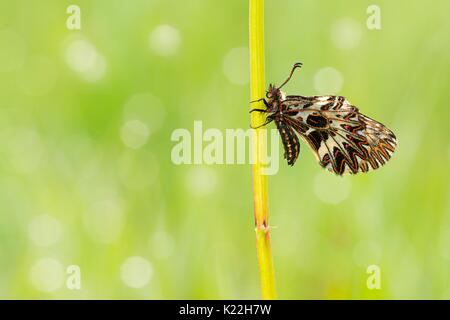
<point>290,141</point>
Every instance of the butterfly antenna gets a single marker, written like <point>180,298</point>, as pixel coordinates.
<point>297,65</point>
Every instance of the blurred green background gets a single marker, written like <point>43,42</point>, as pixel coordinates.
<point>87,179</point>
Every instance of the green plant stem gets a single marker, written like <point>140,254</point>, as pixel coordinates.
<point>257,89</point>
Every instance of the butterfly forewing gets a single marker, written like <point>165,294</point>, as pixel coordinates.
<point>343,139</point>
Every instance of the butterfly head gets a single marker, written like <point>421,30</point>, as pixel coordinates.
<point>274,96</point>
<point>273,92</point>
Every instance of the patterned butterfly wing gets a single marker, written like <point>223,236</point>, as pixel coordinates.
<point>343,139</point>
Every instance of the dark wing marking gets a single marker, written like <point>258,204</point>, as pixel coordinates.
<point>350,143</point>
<point>290,141</point>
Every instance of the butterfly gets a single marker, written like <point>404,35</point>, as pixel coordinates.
<point>343,139</point>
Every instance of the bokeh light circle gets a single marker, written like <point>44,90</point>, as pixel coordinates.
<point>44,230</point>
<point>165,40</point>
<point>134,134</point>
<point>201,181</point>
<point>82,57</point>
<point>47,274</point>
<point>136,272</point>
<point>161,244</point>
<point>331,189</point>
<point>346,34</point>
<point>328,81</point>
<point>235,66</point>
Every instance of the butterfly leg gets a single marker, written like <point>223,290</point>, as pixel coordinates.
<point>258,110</point>
<point>262,125</point>
<point>257,100</point>
<point>263,100</point>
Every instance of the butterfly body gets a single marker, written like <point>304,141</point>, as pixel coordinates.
<point>342,139</point>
